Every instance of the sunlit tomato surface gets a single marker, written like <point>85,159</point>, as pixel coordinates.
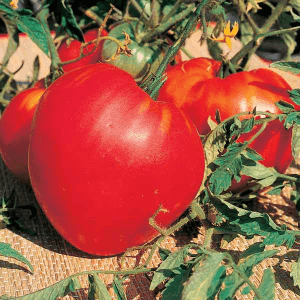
<point>194,88</point>
<point>103,163</point>
<point>15,126</point>
<point>70,49</point>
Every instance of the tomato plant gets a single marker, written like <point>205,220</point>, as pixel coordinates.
<point>110,158</point>
<point>144,60</point>
<point>70,49</point>
<point>15,124</point>
<point>194,88</point>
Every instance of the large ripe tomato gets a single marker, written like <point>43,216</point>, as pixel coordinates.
<point>104,156</point>
<point>194,88</point>
<point>15,126</point>
<point>70,49</point>
<point>145,59</point>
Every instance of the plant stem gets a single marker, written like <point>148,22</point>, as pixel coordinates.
<point>243,276</point>
<point>42,16</point>
<point>92,15</point>
<point>13,42</point>
<point>165,26</point>
<point>141,10</point>
<point>252,46</point>
<point>172,12</point>
<point>154,86</point>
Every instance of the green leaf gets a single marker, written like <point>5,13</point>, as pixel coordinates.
<point>280,238</point>
<point>8,9</point>
<point>205,279</point>
<point>230,165</point>
<point>59,289</point>
<point>252,154</point>
<point>266,176</point>
<point>35,31</point>
<point>97,289</point>
<point>118,288</point>
<point>7,251</point>
<point>291,119</point>
<point>167,267</point>
<point>293,67</point>
<point>65,17</point>
<point>246,290</point>
<point>295,273</point>
<point>164,253</point>
<point>252,257</point>
<point>246,222</point>
<point>295,95</point>
<point>284,106</point>
<point>267,286</point>
<point>296,141</point>
<point>276,190</point>
<point>216,283</point>
<point>174,286</point>
<point>247,125</point>
<point>253,249</point>
<point>213,146</point>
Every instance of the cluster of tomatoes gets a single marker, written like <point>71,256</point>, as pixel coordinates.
<point>103,158</point>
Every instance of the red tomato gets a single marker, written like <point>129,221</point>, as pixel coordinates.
<point>194,88</point>
<point>69,50</point>
<point>15,126</point>
<point>103,163</point>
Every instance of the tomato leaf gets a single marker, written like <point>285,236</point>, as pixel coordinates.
<point>250,223</point>
<point>65,17</point>
<point>97,289</point>
<point>230,166</point>
<point>293,67</point>
<point>284,106</point>
<point>295,95</point>
<point>7,251</point>
<point>59,289</point>
<point>164,253</point>
<point>291,119</point>
<point>266,176</point>
<point>206,279</point>
<point>167,267</point>
<point>174,286</point>
<point>118,288</point>
<point>276,190</point>
<point>295,273</point>
<point>267,285</point>
<point>5,7</point>
<point>246,290</point>
<point>28,24</point>
<point>296,141</point>
<point>247,125</point>
<point>279,238</point>
<point>248,260</point>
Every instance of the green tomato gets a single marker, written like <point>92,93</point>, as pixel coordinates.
<point>144,59</point>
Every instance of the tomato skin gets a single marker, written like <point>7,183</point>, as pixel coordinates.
<point>111,156</point>
<point>69,51</point>
<point>243,91</point>
<point>144,59</point>
<point>15,126</point>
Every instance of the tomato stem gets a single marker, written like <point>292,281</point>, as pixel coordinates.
<point>243,276</point>
<point>55,66</point>
<point>153,87</point>
<point>261,33</point>
<point>165,26</point>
